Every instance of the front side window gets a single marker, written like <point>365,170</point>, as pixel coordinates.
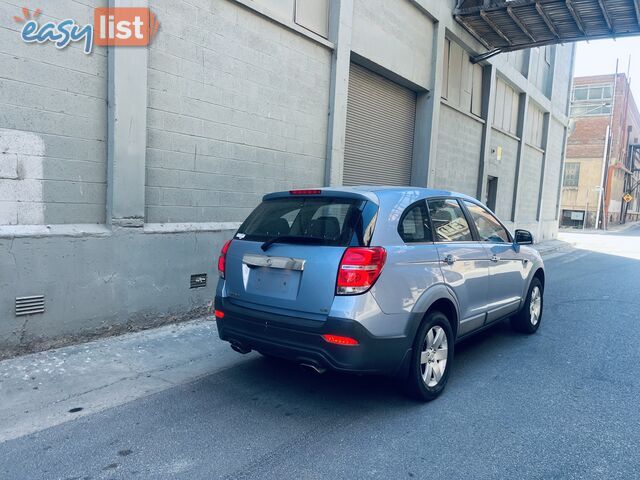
<point>489,229</point>
<point>449,222</point>
<point>414,224</point>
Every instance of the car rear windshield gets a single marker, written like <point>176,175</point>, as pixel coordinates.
<point>330,221</point>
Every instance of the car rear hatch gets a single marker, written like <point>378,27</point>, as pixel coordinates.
<point>285,256</point>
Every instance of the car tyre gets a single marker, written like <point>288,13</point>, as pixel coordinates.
<point>528,319</point>
<point>431,359</point>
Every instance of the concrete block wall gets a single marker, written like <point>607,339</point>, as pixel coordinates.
<point>540,68</point>
<point>102,281</point>
<point>553,171</point>
<point>237,108</point>
<point>530,186</point>
<point>563,69</point>
<point>457,163</point>
<point>395,35</point>
<point>52,124</point>
<point>505,170</point>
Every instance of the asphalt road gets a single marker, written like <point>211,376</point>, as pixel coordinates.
<point>560,404</point>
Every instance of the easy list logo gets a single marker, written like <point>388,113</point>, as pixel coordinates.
<point>114,27</point>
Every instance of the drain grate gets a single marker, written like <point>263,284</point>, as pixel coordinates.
<point>29,305</point>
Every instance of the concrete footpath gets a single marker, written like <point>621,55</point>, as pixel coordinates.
<point>45,389</point>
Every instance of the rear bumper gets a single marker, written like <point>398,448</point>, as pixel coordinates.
<point>300,340</point>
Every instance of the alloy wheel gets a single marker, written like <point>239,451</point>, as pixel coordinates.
<point>535,306</point>
<point>433,356</point>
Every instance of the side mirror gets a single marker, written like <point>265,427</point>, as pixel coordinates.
<point>524,237</point>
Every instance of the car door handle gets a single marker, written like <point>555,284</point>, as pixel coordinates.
<point>449,259</point>
<point>495,259</point>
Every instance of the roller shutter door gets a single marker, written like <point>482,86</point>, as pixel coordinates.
<point>379,134</point>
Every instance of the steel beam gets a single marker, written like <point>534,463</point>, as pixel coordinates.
<point>636,6</point>
<point>519,23</point>
<point>576,17</point>
<point>474,34</point>
<point>547,20</point>
<point>485,16</point>
<point>606,16</point>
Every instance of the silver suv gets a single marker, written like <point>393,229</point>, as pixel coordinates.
<point>381,280</point>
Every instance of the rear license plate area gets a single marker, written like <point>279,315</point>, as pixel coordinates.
<point>273,282</point>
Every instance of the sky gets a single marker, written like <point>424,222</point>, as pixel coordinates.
<point>599,57</point>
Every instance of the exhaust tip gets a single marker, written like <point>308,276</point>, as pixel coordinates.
<point>314,368</point>
<point>238,347</point>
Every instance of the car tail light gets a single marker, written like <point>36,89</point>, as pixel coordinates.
<point>222,260</point>
<point>338,340</point>
<point>359,269</point>
<point>305,192</point>
<point>219,314</point>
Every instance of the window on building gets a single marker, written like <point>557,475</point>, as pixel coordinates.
<point>310,14</point>
<point>517,60</point>
<point>573,218</point>
<point>445,68</point>
<point>476,91</point>
<point>571,174</point>
<point>591,100</point>
<point>313,15</point>
<point>590,109</point>
<point>592,92</point>
<point>580,93</point>
<point>461,79</point>
<point>535,126</point>
<point>505,107</point>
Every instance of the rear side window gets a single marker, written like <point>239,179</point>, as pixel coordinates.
<point>332,221</point>
<point>449,222</point>
<point>414,224</point>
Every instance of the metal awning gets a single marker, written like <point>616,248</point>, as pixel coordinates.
<point>507,25</point>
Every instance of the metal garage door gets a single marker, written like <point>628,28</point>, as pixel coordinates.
<point>379,136</point>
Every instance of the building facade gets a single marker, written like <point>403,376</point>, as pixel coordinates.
<point>598,170</point>
<point>124,171</point>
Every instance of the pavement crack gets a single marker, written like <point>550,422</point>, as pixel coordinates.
<point>102,387</point>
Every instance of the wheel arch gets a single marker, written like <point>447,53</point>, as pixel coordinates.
<point>437,298</point>
<point>539,274</point>
<point>446,307</point>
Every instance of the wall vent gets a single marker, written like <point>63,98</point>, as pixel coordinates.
<point>199,280</point>
<point>29,305</point>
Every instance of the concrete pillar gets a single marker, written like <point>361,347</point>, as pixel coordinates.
<point>545,140</point>
<point>552,72</point>
<point>340,27</point>
<point>127,132</point>
<point>546,128</point>
<point>428,117</point>
<point>488,94</point>
<point>522,120</point>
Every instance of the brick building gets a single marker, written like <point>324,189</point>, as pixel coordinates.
<point>122,172</point>
<point>598,169</point>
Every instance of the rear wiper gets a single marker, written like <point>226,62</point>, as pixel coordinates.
<point>291,239</point>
